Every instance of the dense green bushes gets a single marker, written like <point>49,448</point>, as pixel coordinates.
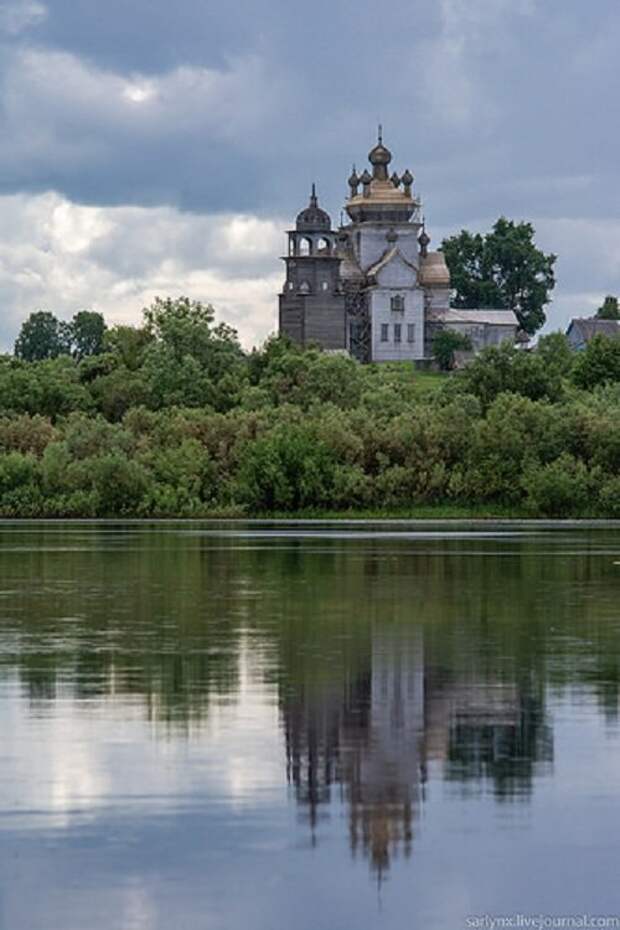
<point>176,420</point>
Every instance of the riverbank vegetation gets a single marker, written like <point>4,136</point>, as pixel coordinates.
<point>174,419</point>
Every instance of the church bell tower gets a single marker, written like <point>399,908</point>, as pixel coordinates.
<point>312,303</point>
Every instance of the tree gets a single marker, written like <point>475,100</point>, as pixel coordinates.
<point>182,325</point>
<point>609,309</point>
<point>127,344</point>
<point>555,351</point>
<point>598,363</point>
<point>42,336</point>
<point>87,334</point>
<point>503,368</point>
<point>190,361</point>
<point>502,269</point>
<point>445,344</point>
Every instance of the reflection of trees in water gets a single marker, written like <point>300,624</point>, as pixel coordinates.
<point>387,656</point>
<point>156,624</point>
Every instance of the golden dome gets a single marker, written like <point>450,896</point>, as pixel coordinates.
<point>434,271</point>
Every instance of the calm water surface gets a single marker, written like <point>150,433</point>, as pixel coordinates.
<point>218,727</point>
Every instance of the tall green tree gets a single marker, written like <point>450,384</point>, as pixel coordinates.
<point>609,309</point>
<point>182,325</point>
<point>87,334</point>
<point>199,362</point>
<point>502,269</point>
<point>42,336</point>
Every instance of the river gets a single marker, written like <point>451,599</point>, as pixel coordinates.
<point>218,726</point>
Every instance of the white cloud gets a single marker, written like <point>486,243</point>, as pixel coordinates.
<point>20,15</point>
<point>62,256</point>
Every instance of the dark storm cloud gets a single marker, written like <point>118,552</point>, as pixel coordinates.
<point>482,95</point>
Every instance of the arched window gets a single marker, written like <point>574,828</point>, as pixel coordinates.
<point>304,287</point>
<point>324,285</point>
<point>397,303</point>
<point>305,247</point>
<point>291,246</point>
<point>323,245</point>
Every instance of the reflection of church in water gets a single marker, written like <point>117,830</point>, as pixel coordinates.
<point>372,738</point>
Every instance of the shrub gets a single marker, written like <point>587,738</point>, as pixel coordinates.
<point>445,344</point>
<point>609,498</point>
<point>561,488</point>
<point>287,470</point>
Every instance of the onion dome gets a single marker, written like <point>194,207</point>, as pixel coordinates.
<point>407,180</point>
<point>379,158</point>
<point>380,155</point>
<point>313,218</point>
<point>395,180</point>
<point>434,271</point>
<point>354,179</point>
<point>424,240</point>
<point>366,179</point>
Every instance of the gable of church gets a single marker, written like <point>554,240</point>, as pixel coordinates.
<point>395,271</point>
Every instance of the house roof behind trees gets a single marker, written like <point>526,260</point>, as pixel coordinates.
<point>588,328</point>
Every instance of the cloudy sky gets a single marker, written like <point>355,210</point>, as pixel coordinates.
<point>157,148</point>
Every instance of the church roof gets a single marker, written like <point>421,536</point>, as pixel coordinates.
<point>382,198</point>
<point>382,192</point>
<point>483,315</point>
<point>434,270</point>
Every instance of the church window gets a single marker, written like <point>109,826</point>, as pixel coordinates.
<point>397,303</point>
<point>385,332</point>
<point>410,332</point>
<point>396,332</point>
<point>304,288</point>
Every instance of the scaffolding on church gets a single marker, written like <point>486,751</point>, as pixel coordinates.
<point>358,321</point>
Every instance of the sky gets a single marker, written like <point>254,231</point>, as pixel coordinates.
<point>150,148</point>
